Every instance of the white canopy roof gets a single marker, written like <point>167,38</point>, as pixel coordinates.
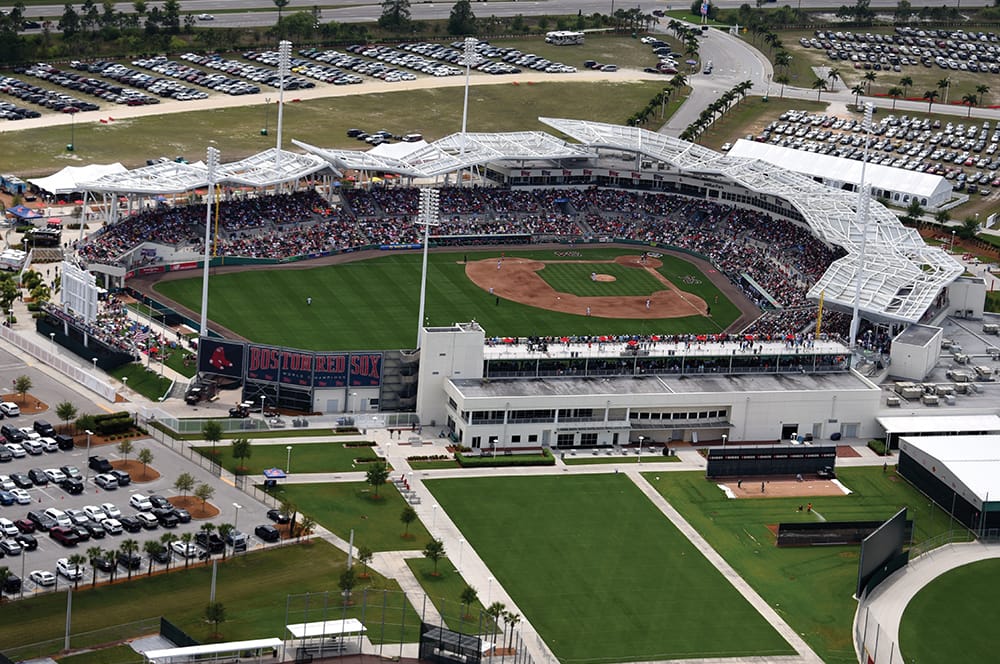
<point>453,153</point>
<point>972,460</point>
<point>325,628</point>
<point>264,169</point>
<point>900,275</point>
<point>934,188</point>
<point>190,652</point>
<point>71,178</point>
<point>914,424</point>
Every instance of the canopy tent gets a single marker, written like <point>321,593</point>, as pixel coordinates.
<point>211,651</point>
<point>71,178</point>
<point>22,212</point>
<point>325,628</point>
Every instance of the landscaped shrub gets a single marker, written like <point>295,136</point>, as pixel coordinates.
<point>878,446</point>
<point>543,459</point>
<point>360,443</point>
<point>112,423</point>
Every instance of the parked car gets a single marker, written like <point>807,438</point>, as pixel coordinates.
<point>16,450</point>
<point>21,497</point>
<point>7,498</point>
<point>10,547</point>
<point>128,560</point>
<point>41,577</point>
<point>69,570</point>
<point>112,526</point>
<point>55,475</point>
<point>99,463</point>
<point>21,480</point>
<point>140,502</point>
<point>182,515</point>
<point>9,409</point>
<point>7,527</point>
<point>27,541</point>
<point>5,455</point>
<point>25,525</point>
<point>103,562</point>
<point>94,529</point>
<point>60,517</point>
<point>161,556</point>
<point>210,542</point>
<point>130,523</point>
<point>65,536</point>
<point>267,533</point>
<point>64,442</point>
<point>167,518</point>
<point>71,471</point>
<point>184,550</point>
<point>106,481</point>
<point>49,444</point>
<point>94,512</point>
<point>72,485</point>
<point>38,477</point>
<point>148,521</point>
<point>160,502</point>
<point>124,479</point>
<point>111,510</point>
<point>44,428</point>
<point>42,521</point>
<point>12,585</point>
<point>278,516</point>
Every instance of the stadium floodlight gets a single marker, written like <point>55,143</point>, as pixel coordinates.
<point>862,222</point>
<point>211,163</point>
<point>428,216</point>
<point>468,59</point>
<point>284,65</point>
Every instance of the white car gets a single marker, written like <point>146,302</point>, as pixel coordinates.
<point>205,17</point>
<point>55,475</point>
<point>16,450</point>
<point>30,434</point>
<point>7,484</point>
<point>8,528</point>
<point>95,512</point>
<point>21,496</point>
<point>42,577</point>
<point>106,481</point>
<point>49,444</point>
<point>60,517</point>
<point>68,569</point>
<point>110,510</point>
<point>9,409</point>
<point>113,526</point>
<point>184,550</point>
<point>78,516</point>
<point>140,502</point>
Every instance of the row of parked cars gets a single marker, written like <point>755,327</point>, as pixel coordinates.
<point>213,81</point>
<point>341,68</point>
<point>956,50</point>
<point>914,144</point>
<point>263,75</point>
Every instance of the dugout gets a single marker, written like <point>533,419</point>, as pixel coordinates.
<point>325,638</point>
<point>776,460</point>
<point>231,652</point>
<point>438,644</point>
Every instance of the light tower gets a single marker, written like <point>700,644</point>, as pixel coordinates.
<point>861,221</point>
<point>428,217</point>
<point>284,64</point>
<point>468,58</point>
<point>211,162</point>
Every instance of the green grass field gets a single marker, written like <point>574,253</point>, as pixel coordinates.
<point>951,615</point>
<point>811,587</point>
<point>382,294</point>
<point>342,507</point>
<point>445,592</point>
<point>600,573</point>
<point>314,457</point>
<point>253,589</point>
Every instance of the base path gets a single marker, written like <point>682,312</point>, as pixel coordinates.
<point>516,279</point>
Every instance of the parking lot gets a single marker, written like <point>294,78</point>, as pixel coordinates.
<point>168,463</point>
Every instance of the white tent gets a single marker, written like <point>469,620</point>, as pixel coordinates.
<point>397,150</point>
<point>70,178</point>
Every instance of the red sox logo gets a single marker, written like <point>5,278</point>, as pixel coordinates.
<point>218,359</point>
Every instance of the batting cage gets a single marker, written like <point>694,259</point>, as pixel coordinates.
<point>769,461</point>
<point>829,533</point>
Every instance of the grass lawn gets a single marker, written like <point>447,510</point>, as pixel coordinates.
<point>305,457</point>
<point>342,507</point>
<point>445,590</point>
<point>393,283</point>
<point>499,107</point>
<point>252,435</point>
<point>115,655</point>
<point>146,382</point>
<point>789,578</point>
<point>599,571</point>
<point>993,301</point>
<point>254,609</point>
<point>751,115</point>
<point>574,278</point>
<point>968,596</point>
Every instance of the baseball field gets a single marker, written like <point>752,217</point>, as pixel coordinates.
<point>373,303</point>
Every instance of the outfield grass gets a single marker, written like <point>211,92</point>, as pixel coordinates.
<point>305,457</point>
<point>575,278</point>
<point>600,573</point>
<point>950,618</point>
<point>811,587</point>
<point>384,293</point>
<point>343,507</point>
<point>253,589</point>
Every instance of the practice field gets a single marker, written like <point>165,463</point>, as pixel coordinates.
<point>601,573</point>
<point>372,304</point>
<point>951,619</point>
<point>810,587</point>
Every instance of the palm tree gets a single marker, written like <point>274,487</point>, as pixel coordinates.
<point>819,85</point>
<point>783,59</point>
<point>833,75</point>
<point>857,91</point>
<point>742,88</point>
<point>971,99</point>
<point>93,553</point>
<point>165,540</point>
<point>981,90</point>
<point>129,547</point>
<point>907,83</point>
<point>495,611</point>
<point>930,96</point>
<point>225,530</point>
<point>150,547</point>
<point>78,560</point>
<point>782,80</point>
<point>678,81</point>
<point>870,77</point>
<point>895,93</point>
<point>187,538</point>
<point>945,84</point>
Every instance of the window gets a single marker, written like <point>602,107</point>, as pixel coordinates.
<point>476,441</point>
<point>515,439</point>
<point>564,440</point>
<point>588,439</point>
<point>533,438</point>
<point>452,404</point>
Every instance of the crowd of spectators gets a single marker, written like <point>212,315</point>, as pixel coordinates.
<point>773,260</point>
<point>114,327</point>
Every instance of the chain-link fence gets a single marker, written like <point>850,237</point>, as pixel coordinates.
<point>86,639</point>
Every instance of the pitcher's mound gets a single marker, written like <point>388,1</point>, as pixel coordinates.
<point>606,277</point>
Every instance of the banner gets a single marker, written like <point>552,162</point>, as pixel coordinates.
<point>330,370</point>
<point>263,363</point>
<point>365,369</point>
<point>296,367</point>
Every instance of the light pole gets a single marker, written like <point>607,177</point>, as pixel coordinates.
<point>211,162</point>
<point>262,398</point>
<point>87,475</point>
<point>94,360</point>
<point>861,220</point>
<point>641,438</point>
<point>468,56</point>
<point>489,591</point>
<point>124,383</point>
<point>288,459</point>
<point>434,518</point>
<point>354,403</point>
<point>428,217</point>
<point>461,550</point>
<point>267,109</point>
<point>284,62</point>
<point>724,438</point>
<point>72,132</point>
<point>52,338</point>
<point>952,249</point>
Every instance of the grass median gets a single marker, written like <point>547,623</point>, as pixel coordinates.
<point>303,457</point>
